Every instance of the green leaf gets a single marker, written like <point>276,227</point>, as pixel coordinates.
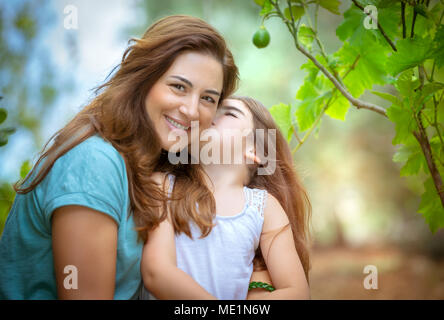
<point>352,27</point>
<point>330,5</point>
<point>431,206</point>
<point>389,97</point>
<point>306,36</point>
<point>282,115</point>
<point>412,156</point>
<point>338,108</point>
<point>438,52</point>
<point>311,69</point>
<point>3,115</point>
<point>407,83</point>
<point>259,2</point>
<point>421,10</point>
<point>26,23</point>
<point>267,7</point>
<point>369,69</point>
<point>313,96</point>
<point>427,92</point>
<point>25,168</point>
<point>411,53</point>
<point>296,11</point>
<point>48,94</point>
<point>404,123</point>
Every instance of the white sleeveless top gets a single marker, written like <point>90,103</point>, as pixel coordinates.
<point>222,262</point>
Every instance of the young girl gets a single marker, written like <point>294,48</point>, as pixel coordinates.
<point>196,254</point>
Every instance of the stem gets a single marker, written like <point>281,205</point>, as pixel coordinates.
<point>379,27</point>
<point>315,124</point>
<point>412,33</point>
<point>426,149</point>
<point>318,41</point>
<point>403,19</point>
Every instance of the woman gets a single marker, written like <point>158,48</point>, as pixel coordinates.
<point>71,231</point>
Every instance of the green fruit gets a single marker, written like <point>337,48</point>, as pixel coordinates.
<point>261,38</point>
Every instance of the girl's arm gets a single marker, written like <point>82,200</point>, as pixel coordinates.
<point>160,273</point>
<point>159,270</point>
<point>281,257</point>
<point>86,239</point>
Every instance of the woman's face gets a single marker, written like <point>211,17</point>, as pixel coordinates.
<point>188,91</point>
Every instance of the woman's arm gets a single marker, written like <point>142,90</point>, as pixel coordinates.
<point>160,273</point>
<point>281,257</point>
<point>86,239</point>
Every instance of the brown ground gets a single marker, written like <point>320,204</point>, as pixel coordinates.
<point>337,273</point>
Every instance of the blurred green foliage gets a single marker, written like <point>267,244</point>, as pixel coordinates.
<point>382,54</point>
<point>27,84</point>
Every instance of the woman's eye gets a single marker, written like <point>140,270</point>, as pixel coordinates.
<point>209,99</point>
<point>179,87</point>
<point>231,114</point>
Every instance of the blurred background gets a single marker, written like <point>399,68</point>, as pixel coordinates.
<point>364,213</point>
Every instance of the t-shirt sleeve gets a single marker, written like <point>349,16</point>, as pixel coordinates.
<point>91,174</point>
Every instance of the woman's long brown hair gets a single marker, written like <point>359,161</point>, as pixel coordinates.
<point>119,116</point>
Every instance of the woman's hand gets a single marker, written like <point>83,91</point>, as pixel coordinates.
<point>86,239</point>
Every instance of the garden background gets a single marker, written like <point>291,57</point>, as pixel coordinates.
<point>53,53</point>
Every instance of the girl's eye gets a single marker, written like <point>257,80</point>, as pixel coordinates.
<point>231,114</point>
<point>209,99</point>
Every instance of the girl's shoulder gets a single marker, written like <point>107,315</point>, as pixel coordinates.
<point>274,214</point>
<point>257,198</point>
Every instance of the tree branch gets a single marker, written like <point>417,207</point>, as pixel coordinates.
<point>356,102</point>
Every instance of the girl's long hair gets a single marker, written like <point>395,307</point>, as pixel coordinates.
<point>118,113</point>
<point>283,183</point>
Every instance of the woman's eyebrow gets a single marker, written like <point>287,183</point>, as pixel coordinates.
<point>233,108</point>
<point>188,82</point>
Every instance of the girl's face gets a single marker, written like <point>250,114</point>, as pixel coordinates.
<point>233,114</point>
<point>188,91</point>
<point>234,123</point>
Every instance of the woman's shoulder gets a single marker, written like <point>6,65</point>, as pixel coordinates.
<point>96,144</point>
<point>96,152</point>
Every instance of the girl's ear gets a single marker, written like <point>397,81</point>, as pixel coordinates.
<point>252,156</point>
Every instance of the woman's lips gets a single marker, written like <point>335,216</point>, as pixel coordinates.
<point>174,124</point>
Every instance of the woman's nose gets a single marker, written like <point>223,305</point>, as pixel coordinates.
<point>190,108</point>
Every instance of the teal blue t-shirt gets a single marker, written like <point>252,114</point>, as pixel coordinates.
<point>93,175</point>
